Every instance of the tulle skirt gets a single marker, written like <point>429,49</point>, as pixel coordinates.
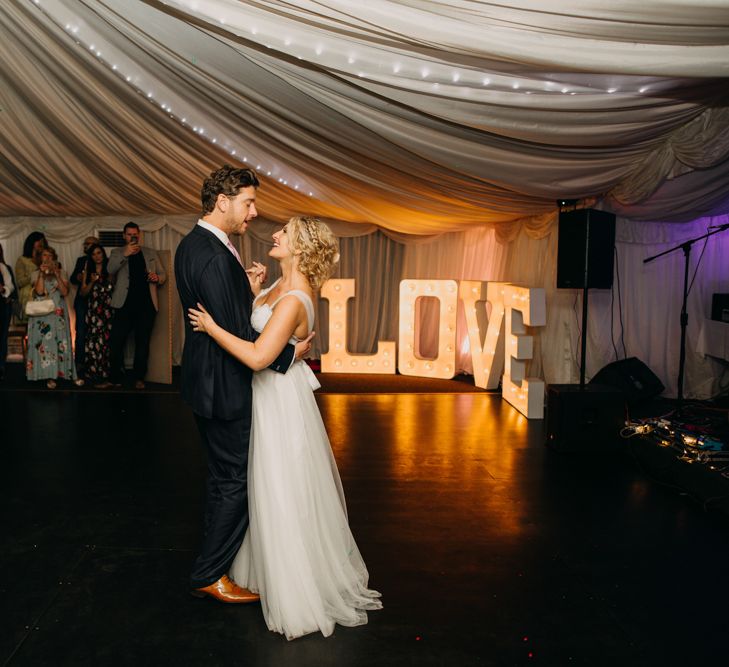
<point>299,553</point>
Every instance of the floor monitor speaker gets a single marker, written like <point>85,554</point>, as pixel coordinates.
<point>584,420</point>
<point>632,377</point>
<point>585,249</point>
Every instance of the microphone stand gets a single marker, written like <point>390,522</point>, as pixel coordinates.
<point>686,247</point>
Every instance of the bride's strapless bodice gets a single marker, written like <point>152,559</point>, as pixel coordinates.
<point>262,312</point>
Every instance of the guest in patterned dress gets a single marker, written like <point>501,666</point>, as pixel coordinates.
<point>96,288</point>
<point>79,306</point>
<point>50,356</point>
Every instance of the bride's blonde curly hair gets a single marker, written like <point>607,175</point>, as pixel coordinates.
<point>316,247</point>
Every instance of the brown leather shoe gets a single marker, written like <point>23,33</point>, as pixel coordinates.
<point>226,590</point>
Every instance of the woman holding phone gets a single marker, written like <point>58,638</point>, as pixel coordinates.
<point>50,355</point>
<point>96,287</point>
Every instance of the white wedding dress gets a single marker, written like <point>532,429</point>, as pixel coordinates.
<point>299,553</point>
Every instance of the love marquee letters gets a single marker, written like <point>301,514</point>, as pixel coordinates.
<point>505,348</point>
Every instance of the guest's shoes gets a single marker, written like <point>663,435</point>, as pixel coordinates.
<point>51,384</point>
<point>139,384</point>
<point>79,382</point>
<point>226,590</point>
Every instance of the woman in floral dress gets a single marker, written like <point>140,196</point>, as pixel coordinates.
<point>50,356</point>
<point>97,287</point>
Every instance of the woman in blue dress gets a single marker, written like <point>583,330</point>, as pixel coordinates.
<point>50,356</point>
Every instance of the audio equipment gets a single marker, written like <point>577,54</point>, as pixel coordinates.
<point>632,377</point>
<point>720,307</point>
<point>585,249</point>
<point>587,419</point>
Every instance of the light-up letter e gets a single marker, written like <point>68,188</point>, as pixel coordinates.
<point>408,363</point>
<point>524,306</point>
<point>337,359</point>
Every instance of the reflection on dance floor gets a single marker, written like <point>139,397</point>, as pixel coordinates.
<point>460,444</point>
<point>476,534</point>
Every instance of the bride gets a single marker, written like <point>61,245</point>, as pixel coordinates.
<point>299,553</point>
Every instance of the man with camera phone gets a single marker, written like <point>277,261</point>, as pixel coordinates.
<point>137,271</point>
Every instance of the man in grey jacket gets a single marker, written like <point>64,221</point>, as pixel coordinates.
<point>137,271</point>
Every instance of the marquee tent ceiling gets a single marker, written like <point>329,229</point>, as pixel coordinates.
<point>419,115</point>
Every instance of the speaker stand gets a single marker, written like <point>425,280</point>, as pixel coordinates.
<point>686,247</point>
<point>583,351</point>
<point>585,291</point>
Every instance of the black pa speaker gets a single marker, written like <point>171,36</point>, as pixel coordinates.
<point>585,249</point>
<point>632,377</point>
<point>584,420</point>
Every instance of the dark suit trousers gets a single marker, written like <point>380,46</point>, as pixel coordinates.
<point>226,503</point>
<point>140,319</point>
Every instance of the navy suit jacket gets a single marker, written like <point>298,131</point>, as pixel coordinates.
<point>214,383</point>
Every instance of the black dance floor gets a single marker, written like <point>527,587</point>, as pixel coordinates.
<point>488,549</point>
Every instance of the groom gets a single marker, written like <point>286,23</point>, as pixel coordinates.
<point>217,386</point>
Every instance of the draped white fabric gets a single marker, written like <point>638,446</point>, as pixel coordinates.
<point>418,117</point>
<point>434,136</point>
<point>650,294</point>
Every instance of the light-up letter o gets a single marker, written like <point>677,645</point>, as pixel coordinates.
<point>408,363</point>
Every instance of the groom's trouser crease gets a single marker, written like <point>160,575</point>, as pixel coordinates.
<point>225,525</point>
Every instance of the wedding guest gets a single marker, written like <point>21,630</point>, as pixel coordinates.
<point>50,356</point>
<point>7,292</point>
<point>96,288</point>
<point>79,305</point>
<point>137,271</point>
<point>26,265</point>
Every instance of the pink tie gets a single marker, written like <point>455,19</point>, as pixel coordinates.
<point>232,249</point>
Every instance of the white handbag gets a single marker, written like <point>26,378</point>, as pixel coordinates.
<point>40,307</point>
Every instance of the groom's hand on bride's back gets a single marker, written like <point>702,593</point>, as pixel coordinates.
<point>303,347</point>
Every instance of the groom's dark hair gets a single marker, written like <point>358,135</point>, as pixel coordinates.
<point>226,181</point>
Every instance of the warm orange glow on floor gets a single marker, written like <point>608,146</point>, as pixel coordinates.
<point>463,445</point>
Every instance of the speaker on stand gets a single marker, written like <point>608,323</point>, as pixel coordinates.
<point>585,247</point>
<point>581,418</point>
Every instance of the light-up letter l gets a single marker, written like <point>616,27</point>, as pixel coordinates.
<point>337,359</point>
